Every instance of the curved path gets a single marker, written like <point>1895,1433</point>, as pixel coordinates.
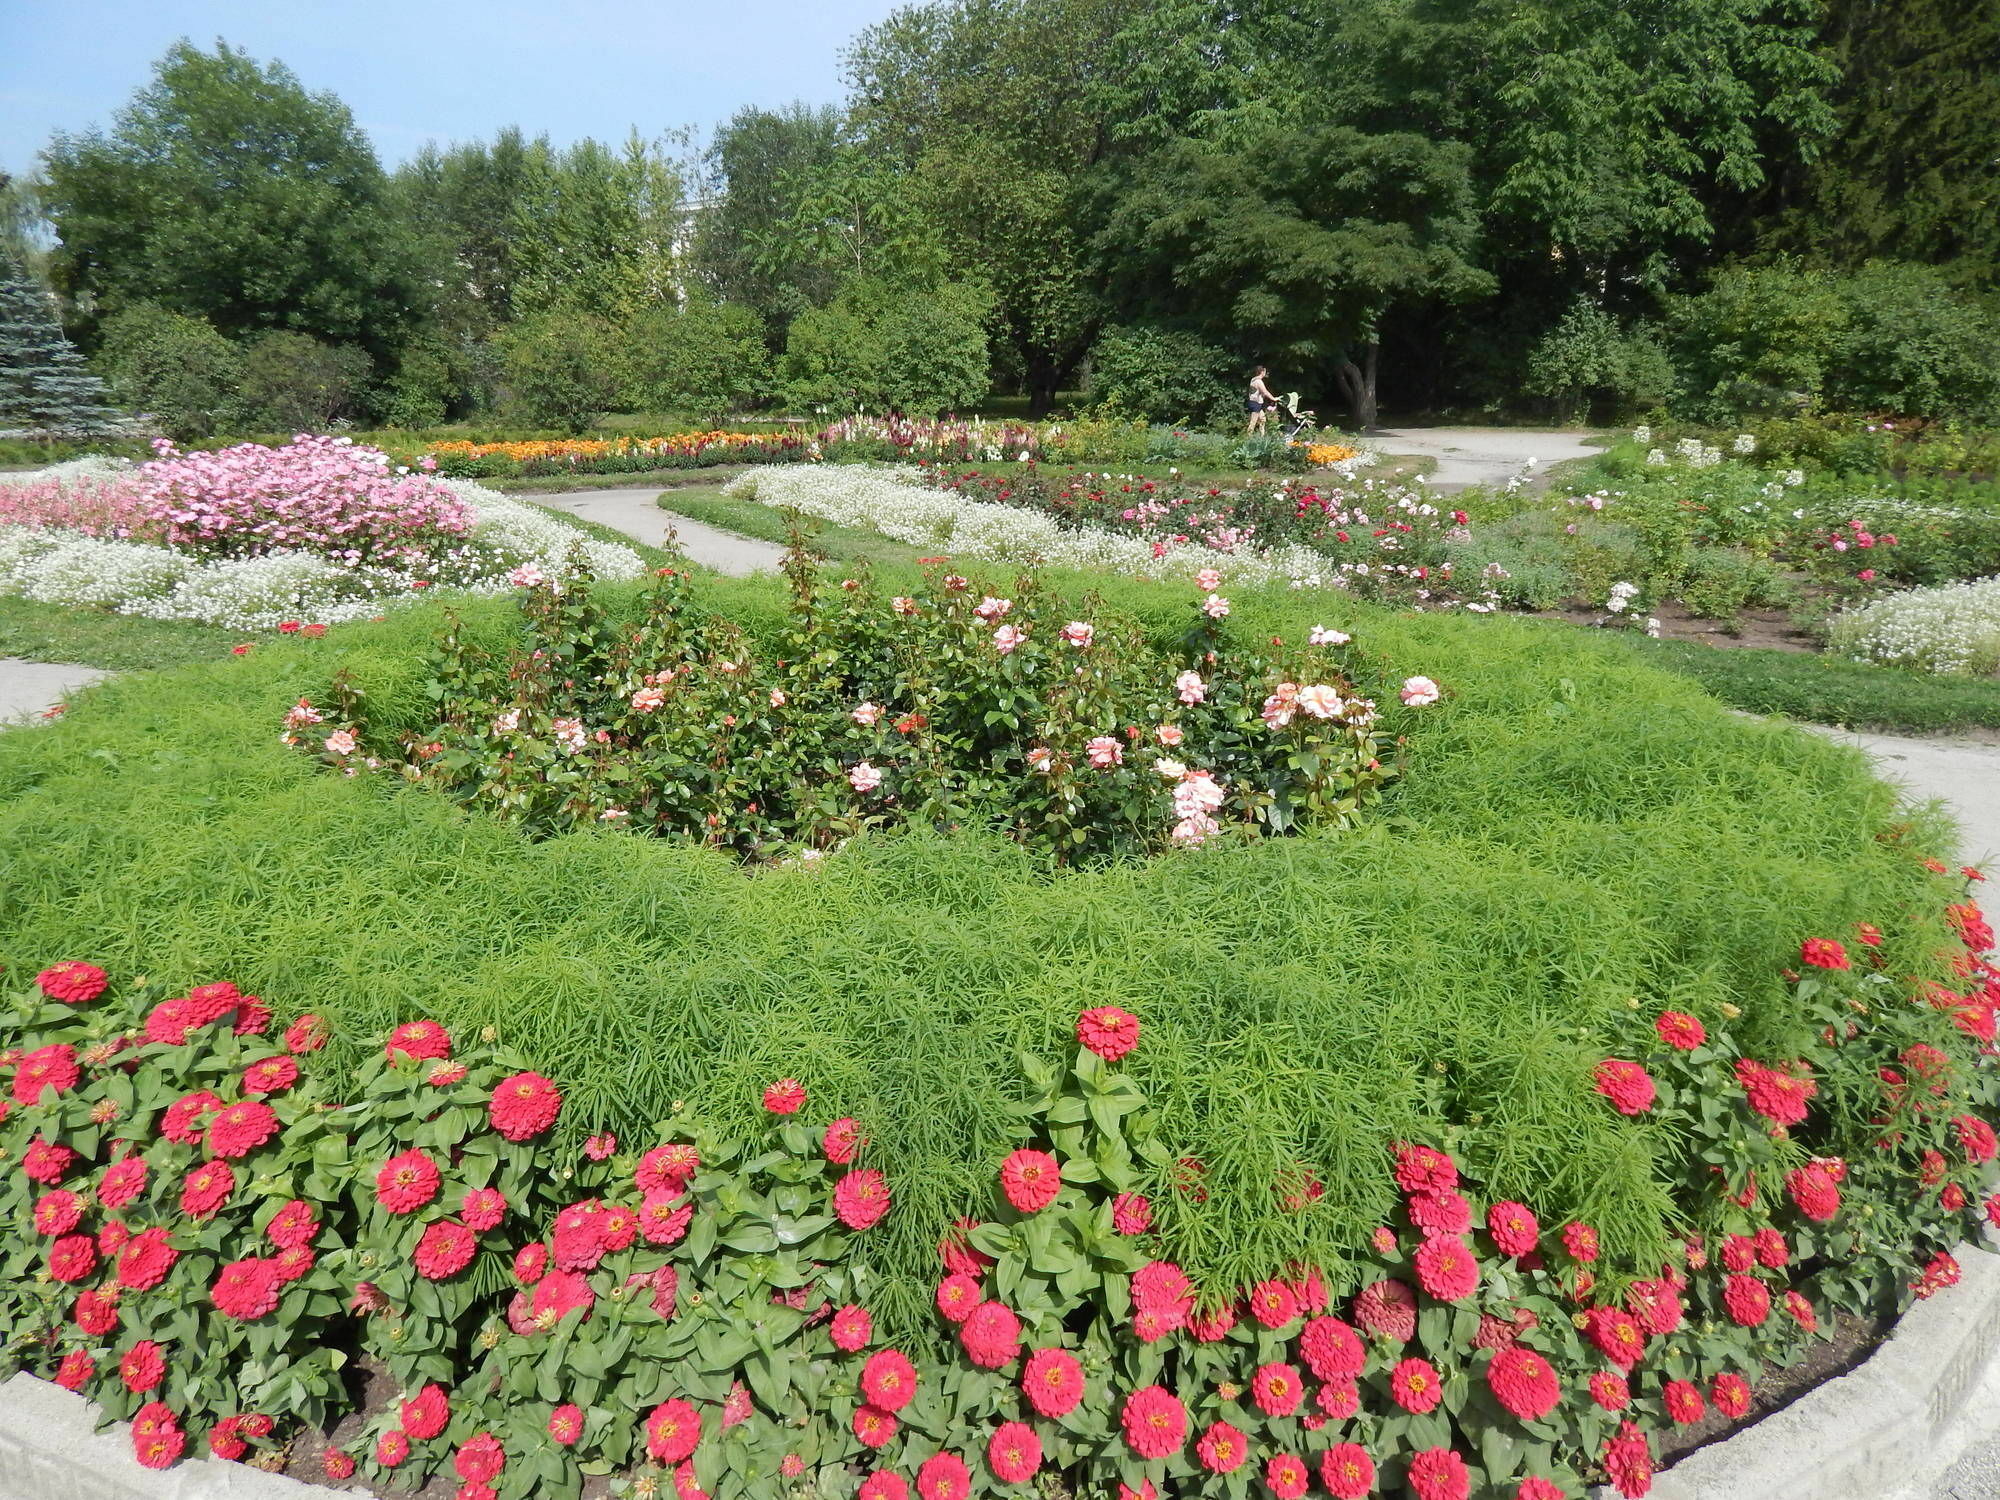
<point>637,513</point>
<point>1482,455</point>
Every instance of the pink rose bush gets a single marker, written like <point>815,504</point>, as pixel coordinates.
<point>680,1305</point>
<point>1056,722</point>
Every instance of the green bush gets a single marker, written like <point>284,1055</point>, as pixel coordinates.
<point>880,347</point>
<point>1163,375</point>
<point>292,383</point>
<point>705,358</point>
<point>428,380</point>
<point>562,368</point>
<point>1451,970</point>
<point>175,369</point>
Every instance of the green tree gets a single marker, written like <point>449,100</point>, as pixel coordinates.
<point>1292,243</point>
<point>594,228</point>
<point>1587,360</point>
<point>560,369</point>
<point>884,346</point>
<point>1916,344</point>
<point>1760,339</point>
<point>44,385</point>
<point>292,383</point>
<point>225,191</point>
<point>753,164</point>
<point>175,369</point>
<point>705,358</point>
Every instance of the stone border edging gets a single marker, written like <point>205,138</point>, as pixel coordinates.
<point>49,1450</point>
<point>1888,1429</point>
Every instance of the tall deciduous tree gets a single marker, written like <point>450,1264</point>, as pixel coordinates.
<point>754,165</point>
<point>227,191</point>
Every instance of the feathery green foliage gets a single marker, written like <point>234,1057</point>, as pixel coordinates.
<point>1575,831</point>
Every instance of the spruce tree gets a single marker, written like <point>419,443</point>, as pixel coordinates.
<point>44,386</point>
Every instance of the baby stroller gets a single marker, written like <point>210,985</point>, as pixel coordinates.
<point>1293,419</point>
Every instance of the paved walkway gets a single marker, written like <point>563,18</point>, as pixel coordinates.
<point>638,515</point>
<point>1481,455</point>
<point>1962,774</point>
<point>29,687</point>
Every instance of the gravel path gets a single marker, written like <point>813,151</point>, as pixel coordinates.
<point>637,513</point>
<point>1481,455</point>
<point>29,687</point>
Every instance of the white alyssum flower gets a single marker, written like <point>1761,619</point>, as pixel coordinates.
<point>1953,628</point>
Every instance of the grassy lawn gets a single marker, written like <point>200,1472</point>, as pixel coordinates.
<point>98,638</point>
<point>748,518</point>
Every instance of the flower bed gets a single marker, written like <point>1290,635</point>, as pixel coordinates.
<point>1953,628</point>
<point>950,706</point>
<point>681,450</point>
<point>251,537</point>
<point>213,1238</point>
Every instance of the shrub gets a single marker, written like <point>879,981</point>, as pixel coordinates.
<point>704,358</point>
<point>428,380</point>
<point>177,370</point>
<point>1162,375</point>
<point>889,348</point>
<point>948,707</point>
<point>561,368</point>
<point>1587,361</point>
<point>292,383</point>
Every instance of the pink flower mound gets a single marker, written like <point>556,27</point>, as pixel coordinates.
<point>524,1105</point>
<point>325,495</point>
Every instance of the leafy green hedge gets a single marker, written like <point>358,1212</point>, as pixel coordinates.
<point>1575,833</point>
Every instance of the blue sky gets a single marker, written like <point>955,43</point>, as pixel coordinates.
<point>418,70</point>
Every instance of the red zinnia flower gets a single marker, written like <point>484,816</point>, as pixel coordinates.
<point>1628,1086</point>
<point>47,1068</point>
<point>1680,1030</point>
<point>57,1211</point>
<point>1747,1299</point>
<point>666,1169</point>
<point>336,1464</point>
<point>1656,1305</point>
<point>1277,1389</point>
<point>425,1414</point>
<point>1416,1385</point>
<point>1031,1180</point>
<point>884,1485</point>
<point>1338,1399</point>
<point>566,1423</point>
<point>852,1328</point>
<point>1581,1242</point>
<point>146,1258</point>
<point>1014,1453</point>
<point>1629,1461</point>
<point>1131,1213</point>
<point>1534,1487</point>
<point>1213,1325</point>
<point>785,1097</point>
<point>122,1182</point>
<point>479,1458</point>
<point>157,1442</point>
<point>524,1105</point>
<point>957,1252</point>
<point>1778,1094</point>
<point>1824,953</point>
<point>1154,1421</point>
<point>76,1371</point>
<point>991,1336</point>
<point>1943,1271</point>
<point>206,1189</point>
<point>861,1198</point>
<point>1617,1334</point>
<point>560,1293</point>
<point>392,1447</point>
<point>1513,1228</point>
<point>1347,1471</point>
<point>1523,1382</point>
<point>1387,1308</point>
<point>1975,1138</point>
<point>1731,1394</point>
<point>421,1041</point>
<point>407,1182</point>
<point>957,1296</point>
<point>1222,1448</point>
<point>1772,1251</point>
<point>72,981</point>
<point>1801,1311</point>
<point>47,1162</point>
<point>1439,1474</point>
<point>241,1128</point>
<point>1273,1303</point>
<point>1286,1477</point>
<point>1440,1213</point>
<point>482,1209</point>
<point>889,1380</point>
<point>841,1140</point>
<point>96,1312</point>
<point>1684,1403</point>
<point>245,1290</point>
<point>673,1431</point>
<point>1420,1169</point>
<point>1447,1269</point>
<point>181,1121</point>
<point>1610,1391</point>
<point>306,1034</point>
<point>1052,1380</point>
<point>445,1249</point>
<point>1108,1031</point>
<point>944,1476</point>
<point>142,1367</point>
<point>271,1076</point>
<point>874,1426</point>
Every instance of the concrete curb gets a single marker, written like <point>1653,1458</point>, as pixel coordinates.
<point>1889,1429</point>
<point>49,1451</point>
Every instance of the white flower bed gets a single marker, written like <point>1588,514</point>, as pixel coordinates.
<point>1954,628</point>
<point>57,566</point>
<point>889,501</point>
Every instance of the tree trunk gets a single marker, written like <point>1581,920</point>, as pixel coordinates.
<point>1357,384</point>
